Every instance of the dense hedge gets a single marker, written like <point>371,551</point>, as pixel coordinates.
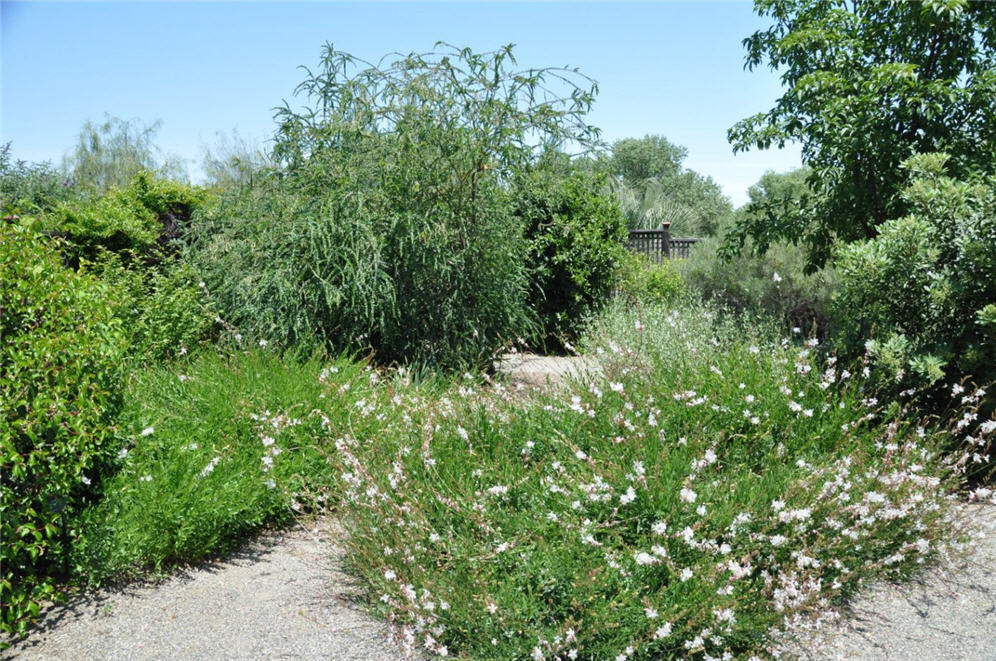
<point>576,232</point>
<point>60,382</point>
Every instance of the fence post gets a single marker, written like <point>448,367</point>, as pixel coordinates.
<point>666,239</point>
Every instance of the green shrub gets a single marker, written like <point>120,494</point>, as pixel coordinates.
<point>923,289</point>
<point>164,309</point>
<point>30,187</point>
<point>141,221</point>
<point>576,234</point>
<point>393,230</point>
<point>60,382</point>
<point>774,284</point>
<point>642,279</point>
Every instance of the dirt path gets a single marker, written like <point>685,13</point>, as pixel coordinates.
<point>282,597</point>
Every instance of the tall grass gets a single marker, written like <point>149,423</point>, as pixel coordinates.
<point>220,447</point>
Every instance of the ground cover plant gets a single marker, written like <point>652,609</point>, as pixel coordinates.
<point>218,447</point>
<point>709,486</point>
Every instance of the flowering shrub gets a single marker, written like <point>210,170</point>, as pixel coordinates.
<point>60,383</point>
<point>681,506</point>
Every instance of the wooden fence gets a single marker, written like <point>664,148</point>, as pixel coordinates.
<point>658,244</point>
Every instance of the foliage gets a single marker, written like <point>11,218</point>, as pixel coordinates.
<point>576,234</point>
<point>654,188</point>
<point>867,85</point>
<point>142,221</point>
<point>643,280</point>
<point>396,229</point>
<point>234,161</point>
<point>111,154</point>
<point>218,447</point>
<point>641,514</point>
<point>922,288</point>
<point>776,285</point>
<point>164,309</point>
<point>29,187</point>
<point>60,383</point>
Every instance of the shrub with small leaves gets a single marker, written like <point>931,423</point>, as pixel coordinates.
<point>924,289</point>
<point>576,232</point>
<point>60,382</point>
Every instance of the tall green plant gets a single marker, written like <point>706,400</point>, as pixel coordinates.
<point>398,233</point>
<point>866,86</point>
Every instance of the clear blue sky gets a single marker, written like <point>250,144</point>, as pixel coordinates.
<point>668,68</point>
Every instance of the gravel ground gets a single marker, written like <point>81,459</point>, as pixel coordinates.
<point>281,597</point>
<point>947,614</point>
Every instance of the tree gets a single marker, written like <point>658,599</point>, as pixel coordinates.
<point>654,187</point>
<point>867,85</point>
<point>109,155</point>
<point>233,161</point>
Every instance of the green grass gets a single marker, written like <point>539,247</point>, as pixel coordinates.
<point>220,447</point>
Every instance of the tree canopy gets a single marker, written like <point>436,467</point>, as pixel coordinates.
<point>867,84</point>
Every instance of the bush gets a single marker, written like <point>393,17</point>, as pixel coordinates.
<point>576,234</point>
<point>30,187</point>
<point>923,289</point>
<point>394,230</point>
<point>642,279</point>
<point>142,221</point>
<point>164,309</point>
<point>774,284</point>
<point>63,350</point>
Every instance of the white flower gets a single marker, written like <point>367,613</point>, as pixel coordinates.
<point>663,631</point>
<point>462,433</point>
<point>687,495</point>
<point>686,574</point>
<point>638,325</point>
<point>122,453</point>
<point>148,431</point>
<point>659,528</point>
<point>85,480</point>
<point>617,387</point>
<point>651,613</point>
<point>776,277</point>
<point>628,497</point>
<point>643,558</point>
<point>262,343</point>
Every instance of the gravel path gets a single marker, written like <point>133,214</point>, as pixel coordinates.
<point>281,597</point>
<point>947,614</point>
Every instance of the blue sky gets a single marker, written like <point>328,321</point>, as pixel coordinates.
<point>668,68</point>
